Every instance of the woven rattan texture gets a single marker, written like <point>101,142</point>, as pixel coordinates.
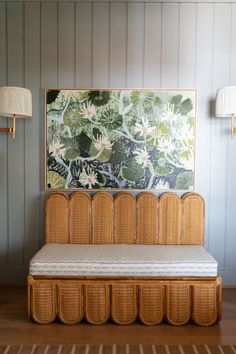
<point>151,301</point>
<point>80,218</point>
<point>170,219</point>
<point>124,218</point>
<point>151,304</point>
<point>70,303</point>
<point>57,218</point>
<point>124,303</point>
<point>102,218</point>
<point>97,304</point>
<point>193,219</point>
<point>145,219</point>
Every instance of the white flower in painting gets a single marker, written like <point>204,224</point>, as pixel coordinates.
<point>162,184</point>
<point>88,110</point>
<point>143,128</point>
<point>57,149</point>
<point>165,144</point>
<point>169,113</point>
<point>185,132</point>
<point>142,157</point>
<point>188,161</point>
<point>88,178</point>
<point>102,142</point>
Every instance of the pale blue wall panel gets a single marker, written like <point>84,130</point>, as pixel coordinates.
<point>230,237</point>
<point>84,45</point>
<point>3,144</point>
<point>118,45</point>
<point>101,47</point>
<point>170,45</point>
<point>49,45</point>
<point>204,61</point>
<point>219,135</point>
<point>135,45</point>
<point>16,156</point>
<point>66,45</point>
<point>32,129</point>
<point>187,45</point>
<point>152,51</point>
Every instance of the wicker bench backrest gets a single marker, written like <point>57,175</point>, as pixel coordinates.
<point>124,218</point>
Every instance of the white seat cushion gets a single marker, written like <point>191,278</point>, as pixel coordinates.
<point>123,260</point>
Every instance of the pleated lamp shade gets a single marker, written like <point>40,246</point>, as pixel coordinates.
<point>15,101</point>
<point>226,101</point>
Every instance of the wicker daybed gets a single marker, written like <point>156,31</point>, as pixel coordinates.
<point>124,257</point>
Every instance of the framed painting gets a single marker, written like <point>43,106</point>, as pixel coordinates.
<point>120,139</point>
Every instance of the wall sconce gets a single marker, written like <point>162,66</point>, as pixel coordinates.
<point>15,102</point>
<point>226,104</point>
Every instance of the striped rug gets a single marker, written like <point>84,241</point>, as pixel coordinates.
<point>117,349</point>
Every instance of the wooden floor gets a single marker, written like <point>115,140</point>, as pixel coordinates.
<point>16,328</point>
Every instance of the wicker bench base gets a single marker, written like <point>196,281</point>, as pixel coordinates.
<point>125,300</point>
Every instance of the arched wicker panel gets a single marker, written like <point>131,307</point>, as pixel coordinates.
<point>124,309</point>
<point>44,302</point>
<point>124,218</point>
<point>206,304</point>
<point>70,302</point>
<point>169,219</point>
<point>151,304</point>
<point>102,218</point>
<point>97,304</point>
<point>178,303</point>
<point>56,218</point>
<point>193,219</point>
<point>80,218</point>
<point>147,218</point>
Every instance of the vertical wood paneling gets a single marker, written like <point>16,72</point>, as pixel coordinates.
<point>84,43</point>
<point>152,52</point>
<point>170,43</point>
<point>187,45</point>
<point>32,128</point>
<point>220,135</point>
<point>232,77</point>
<point>135,45</point>
<point>204,61</point>
<point>16,169</point>
<point>49,77</point>
<point>230,260</point>
<point>101,35</point>
<point>3,38</point>
<point>52,44</point>
<point>118,36</point>
<point>66,45</point>
<point>49,45</point>
<point>3,143</point>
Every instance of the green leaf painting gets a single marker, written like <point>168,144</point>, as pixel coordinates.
<point>120,139</point>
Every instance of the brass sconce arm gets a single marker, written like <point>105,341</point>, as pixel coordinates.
<point>10,130</point>
<point>233,128</point>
